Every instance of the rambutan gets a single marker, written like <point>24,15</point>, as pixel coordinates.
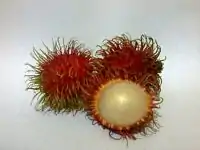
<point>58,76</point>
<point>124,104</point>
<point>136,56</point>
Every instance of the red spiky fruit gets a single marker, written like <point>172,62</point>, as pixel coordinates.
<point>138,56</point>
<point>58,76</point>
<point>124,104</point>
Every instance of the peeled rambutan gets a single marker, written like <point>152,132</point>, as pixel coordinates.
<point>124,104</point>
<point>58,76</point>
<point>138,56</point>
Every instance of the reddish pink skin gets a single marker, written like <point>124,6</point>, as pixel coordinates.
<point>60,74</point>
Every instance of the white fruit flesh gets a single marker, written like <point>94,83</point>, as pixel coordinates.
<point>122,103</point>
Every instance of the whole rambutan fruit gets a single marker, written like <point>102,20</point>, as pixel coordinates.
<point>58,76</point>
<point>123,103</point>
<point>137,56</point>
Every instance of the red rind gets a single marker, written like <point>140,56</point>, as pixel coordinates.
<point>137,56</point>
<point>60,76</point>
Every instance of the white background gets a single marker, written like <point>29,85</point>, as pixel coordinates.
<point>26,23</point>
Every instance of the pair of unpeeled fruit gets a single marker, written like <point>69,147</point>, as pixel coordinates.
<point>118,88</point>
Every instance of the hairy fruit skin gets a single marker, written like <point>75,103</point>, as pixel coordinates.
<point>138,56</point>
<point>58,76</point>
